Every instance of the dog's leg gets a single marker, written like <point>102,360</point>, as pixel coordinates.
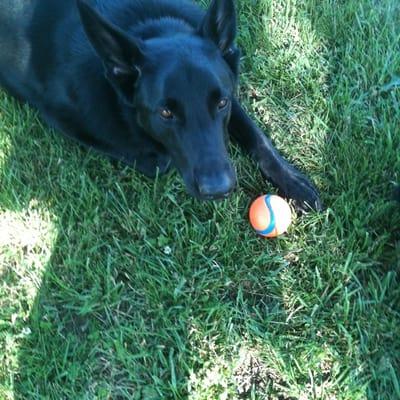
<point>147,156</point>
<point>291,182</point>
<point>151,163</point>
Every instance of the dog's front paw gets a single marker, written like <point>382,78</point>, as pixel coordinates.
<point>298,187</point>
<point>152,163</point>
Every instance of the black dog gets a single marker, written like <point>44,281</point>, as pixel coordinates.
<point>148,82</point>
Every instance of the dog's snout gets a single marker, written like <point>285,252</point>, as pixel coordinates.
<point>216,185</point>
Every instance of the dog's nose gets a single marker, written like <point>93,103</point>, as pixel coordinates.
<point>215,186</point>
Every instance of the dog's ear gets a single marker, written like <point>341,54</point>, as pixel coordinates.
<point>122,55</point>
<point>219,24</point>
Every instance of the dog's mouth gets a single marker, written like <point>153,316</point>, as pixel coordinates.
<point>216,197</point>
<point>211,188</point>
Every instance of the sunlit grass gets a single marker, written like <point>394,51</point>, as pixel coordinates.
<point>26,239</point>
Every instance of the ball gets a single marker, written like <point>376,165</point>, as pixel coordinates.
<point>270,215</point>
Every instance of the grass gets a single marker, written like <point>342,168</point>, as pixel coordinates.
<point>113,286</point>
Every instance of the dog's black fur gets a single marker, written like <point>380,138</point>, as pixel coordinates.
<point>148,82</point>
<point>396,193</point>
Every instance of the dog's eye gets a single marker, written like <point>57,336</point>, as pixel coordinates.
<point>222,103</point>
<point>165,113</point>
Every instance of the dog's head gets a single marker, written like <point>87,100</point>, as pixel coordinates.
<point>179,88</point>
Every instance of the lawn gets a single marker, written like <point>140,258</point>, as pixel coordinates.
<point>114,286</point>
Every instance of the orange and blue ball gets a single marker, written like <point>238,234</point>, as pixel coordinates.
<point>270,215</point>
